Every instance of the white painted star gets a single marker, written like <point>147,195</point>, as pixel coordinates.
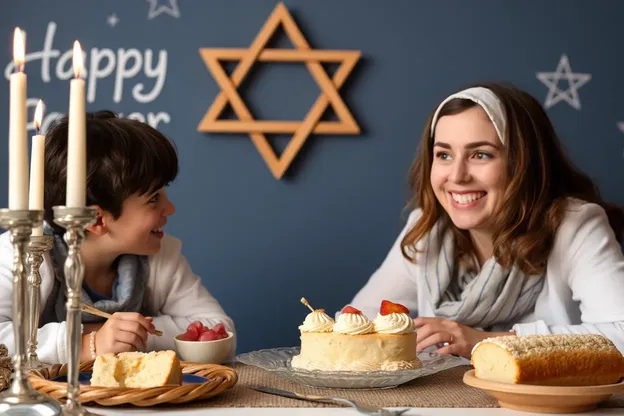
<point>112,20</point>
<point>155,9</point>
<point>575,82</point>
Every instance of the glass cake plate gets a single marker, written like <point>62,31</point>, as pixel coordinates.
<point>277,361</point>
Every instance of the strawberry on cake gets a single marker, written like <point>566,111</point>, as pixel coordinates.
<point>354,343</point>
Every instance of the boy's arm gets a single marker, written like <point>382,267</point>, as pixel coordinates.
<point>178,297</point>
<point>51,338</point>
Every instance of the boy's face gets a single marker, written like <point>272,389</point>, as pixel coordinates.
<point>138,230</point>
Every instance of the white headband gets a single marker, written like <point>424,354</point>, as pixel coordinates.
<point>487,100</point>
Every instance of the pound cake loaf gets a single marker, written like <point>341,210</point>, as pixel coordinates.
<point>354,343</point>
<point>551,360</point>
<point>137,369</point>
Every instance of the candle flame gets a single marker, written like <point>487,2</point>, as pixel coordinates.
<point>38,114</point>
<point>19,49</point>
<point>77,60</point>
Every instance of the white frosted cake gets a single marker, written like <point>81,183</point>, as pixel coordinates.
<point>354,343</point>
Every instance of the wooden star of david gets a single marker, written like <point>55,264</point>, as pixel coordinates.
<point>301,52</point>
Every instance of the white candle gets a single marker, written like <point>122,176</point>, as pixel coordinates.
<point>37,153</point>
<point>76,140</point>
<point>18,142</point>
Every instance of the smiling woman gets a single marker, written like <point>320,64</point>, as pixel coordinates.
<point>486,250</point>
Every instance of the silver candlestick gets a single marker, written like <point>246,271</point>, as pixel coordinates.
<point>74,220</point>
<point>36,248</point>
<point>21,398</point>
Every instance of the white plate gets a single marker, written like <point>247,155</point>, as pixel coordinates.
<point>277,361</point>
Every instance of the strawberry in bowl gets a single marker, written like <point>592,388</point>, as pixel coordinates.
<point>202,344</point>
<point>197,331</point>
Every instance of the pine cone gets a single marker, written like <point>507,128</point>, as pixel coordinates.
<point>5,378</point>
<point>6,362</point>
<point>6,367</point>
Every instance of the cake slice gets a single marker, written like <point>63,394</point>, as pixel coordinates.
<point>105,372</point>
<point>137,369</point>
<point>563,360</point>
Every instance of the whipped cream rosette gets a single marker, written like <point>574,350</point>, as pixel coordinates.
<point>352,322</point>
<point>317,321</point>
<point>394,323</point>
<point>393,318</point>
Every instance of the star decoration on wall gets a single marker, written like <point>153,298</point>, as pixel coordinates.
<point>156,9</point>
<point>301,53</point>
<point>574,80</point>
<point>112,20</point>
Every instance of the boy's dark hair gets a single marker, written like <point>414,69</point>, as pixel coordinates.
<point>124,157</point>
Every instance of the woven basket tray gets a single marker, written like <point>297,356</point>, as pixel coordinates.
<point>220,378</point>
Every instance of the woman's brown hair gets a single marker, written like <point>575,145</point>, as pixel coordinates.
<point>540,179</point>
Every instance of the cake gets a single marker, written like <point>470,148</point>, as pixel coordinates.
<point>562,360</point>
<point>137,369</point>
<point>354,343</point>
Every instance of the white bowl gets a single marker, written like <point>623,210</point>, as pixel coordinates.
<point>207,352</point>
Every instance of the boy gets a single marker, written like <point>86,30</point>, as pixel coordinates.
<point>132,269</point>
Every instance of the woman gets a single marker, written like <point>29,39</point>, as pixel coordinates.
<point>508,237</point>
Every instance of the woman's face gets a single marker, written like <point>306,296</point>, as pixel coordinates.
<point>468,173</point>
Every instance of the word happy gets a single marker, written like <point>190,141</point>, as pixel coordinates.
<point>101,64</point>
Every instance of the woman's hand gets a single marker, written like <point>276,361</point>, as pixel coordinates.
<point>123,332</point>
<point>461,339</point>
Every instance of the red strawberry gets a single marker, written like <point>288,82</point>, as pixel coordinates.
<point>388,307</point>
<point>197,325</point>
<point>350,309</point>
<point>188,336</point>
<point>196,329</point>
<point>209,335</point>
<point>220,329</point>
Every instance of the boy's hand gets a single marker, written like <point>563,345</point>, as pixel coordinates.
<point>88,328</point>
<point>123,332</point>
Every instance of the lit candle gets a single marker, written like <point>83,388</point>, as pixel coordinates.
<point>18,142</point>
<point>35,200</point>
<point>76,137</point>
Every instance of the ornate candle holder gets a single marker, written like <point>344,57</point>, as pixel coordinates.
<point>37,246</point>
<point>21,398</point>
<point>74,220</point>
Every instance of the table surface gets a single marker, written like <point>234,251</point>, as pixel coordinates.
<point>326,411</point>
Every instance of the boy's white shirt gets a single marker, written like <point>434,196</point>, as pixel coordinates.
<point>583,292</point>
<point>175,298</point>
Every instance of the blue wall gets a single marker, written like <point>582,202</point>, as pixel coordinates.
<point>259,244</point>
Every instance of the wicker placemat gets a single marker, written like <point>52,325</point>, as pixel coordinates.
<point>444,389</point>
